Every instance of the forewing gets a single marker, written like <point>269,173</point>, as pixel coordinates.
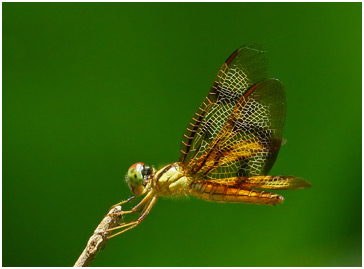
<point>244,68</point>
<point>249,140</point>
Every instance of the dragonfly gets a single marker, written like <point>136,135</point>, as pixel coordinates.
<point>229,146</point>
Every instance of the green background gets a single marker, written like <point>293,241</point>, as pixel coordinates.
<point>89,89</point>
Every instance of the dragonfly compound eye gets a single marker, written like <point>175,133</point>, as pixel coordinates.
<point>135,178</point>
<point>146,171</point>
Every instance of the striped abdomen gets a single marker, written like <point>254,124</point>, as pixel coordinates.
<point>212,191</point>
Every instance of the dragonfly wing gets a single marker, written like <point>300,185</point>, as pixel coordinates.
<point>264,182</point>
<point>275,182</point>
<point>244,68</point>
<point>250,138</point>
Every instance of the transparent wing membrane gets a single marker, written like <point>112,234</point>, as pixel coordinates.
<point>245,67</point>
<point>248,141</point>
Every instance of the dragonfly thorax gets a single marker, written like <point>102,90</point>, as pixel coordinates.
<point>138,177</point>
<point>171,181</point>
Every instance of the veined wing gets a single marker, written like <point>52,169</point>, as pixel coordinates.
<point>264,182</point>
<point>248,143</point>
<point>244,68</point>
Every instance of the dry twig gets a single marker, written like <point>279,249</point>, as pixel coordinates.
<point>98,240</point>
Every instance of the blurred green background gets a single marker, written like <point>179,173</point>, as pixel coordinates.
<point>91,88</point>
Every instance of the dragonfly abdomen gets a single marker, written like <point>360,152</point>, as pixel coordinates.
<point>212,191</point>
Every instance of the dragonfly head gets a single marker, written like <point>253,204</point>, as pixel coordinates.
<point>138,177</point>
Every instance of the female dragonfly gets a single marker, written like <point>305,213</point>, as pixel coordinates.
<point>229,146</point>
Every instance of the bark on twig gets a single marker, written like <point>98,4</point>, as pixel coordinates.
<point>98,240</point>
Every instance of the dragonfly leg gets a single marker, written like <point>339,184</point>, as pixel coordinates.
<point>130,225</point>
<point>135,208</point>
<point>123,231</point>
<point>147,208</point>
<point>122,226</point>
<point>124,202</point>
<point>121,213</point>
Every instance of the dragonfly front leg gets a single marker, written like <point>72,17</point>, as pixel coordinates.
<point>145,199</point>
<point>132,224</point>
<point>123,202</point>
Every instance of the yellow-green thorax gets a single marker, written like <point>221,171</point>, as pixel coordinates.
<point>171,181</point>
